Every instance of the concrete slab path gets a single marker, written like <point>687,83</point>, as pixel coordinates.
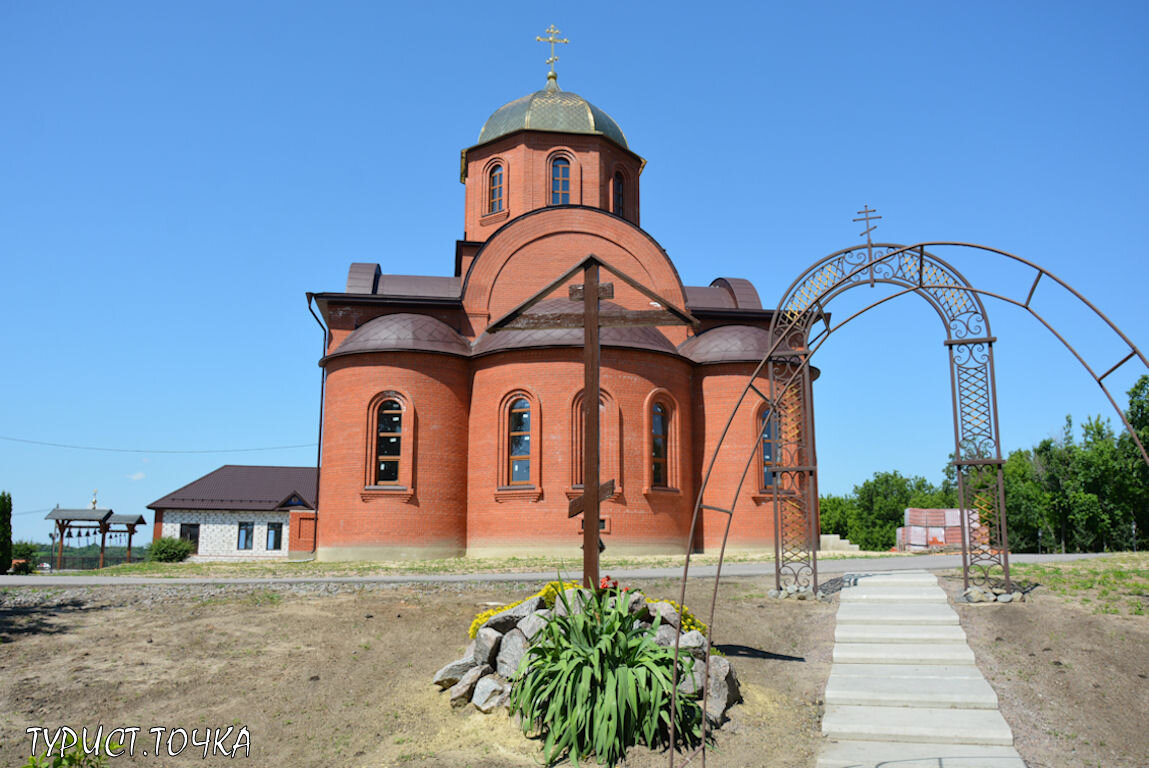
<point>903,688</point>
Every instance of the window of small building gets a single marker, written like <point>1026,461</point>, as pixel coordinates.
<point>190,532</point>
<point>560,181</point>
<point>519,434</point>
<point>495,190</point>
<point>246,536</point>
<point>619,190</point>
<point>274,536</point>
<point>659,445</point>
<point>389,442</point>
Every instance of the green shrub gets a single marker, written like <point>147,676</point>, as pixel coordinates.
<point>170,550</point>
<point>28,553</point>
<point>595,683</point>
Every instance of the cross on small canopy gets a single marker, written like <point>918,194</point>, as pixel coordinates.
<point>591,292</point>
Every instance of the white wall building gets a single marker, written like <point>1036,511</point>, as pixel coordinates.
<point>238,512</point>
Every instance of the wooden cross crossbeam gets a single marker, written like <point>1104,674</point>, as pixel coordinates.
<point>591,320</point>
<point>605,491</point>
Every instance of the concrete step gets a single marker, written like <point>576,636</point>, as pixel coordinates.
<point>899,633</point>
<point>902,653</point>
<point>939,726</point>
<point>930,692</point>
<point>909,579</point>
<point>893,754</point>
<point>913,613</point>
<point>909,672</point>
<point>887,594</point>
<point>832,542</point>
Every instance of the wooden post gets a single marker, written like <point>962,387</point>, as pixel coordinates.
<point>131,530</point>
<point>590,427</point>
<point>103,540</point>
<point>61,529</point>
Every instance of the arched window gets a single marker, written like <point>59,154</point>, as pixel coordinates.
<point>768,453</point>
<point>610,442</point>
<point>495,190</point>
<point>619,189</point>
<point>659,445</point>
<point>519,440</point>
<point>560,181</point>
<point>389,442</point>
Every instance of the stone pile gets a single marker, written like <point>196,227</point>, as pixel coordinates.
<point>483,676</point>
<point>795,592</point>
<point>992,595</point>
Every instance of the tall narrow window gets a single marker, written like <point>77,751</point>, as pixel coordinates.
<point>560,181</point>
<point>767,425</point>
<point>388,446</point>
<point>659,440</point>
<point>246,534</point>
<point>495,190</point>
<point>519,432</point>
<point>619,189</point>
<point>274,536</point>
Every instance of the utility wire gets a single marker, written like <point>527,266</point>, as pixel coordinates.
<point>157,450</point>
<point>32,512</point>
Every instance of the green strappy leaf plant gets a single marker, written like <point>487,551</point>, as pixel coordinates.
<point>594,682</point>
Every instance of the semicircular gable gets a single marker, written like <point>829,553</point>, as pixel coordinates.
<point>529,252</point>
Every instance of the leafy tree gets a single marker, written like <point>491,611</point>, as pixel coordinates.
<point>1027,505</point>
<point>881,502</point>
<point>836,512</point>
<point>5,531</point>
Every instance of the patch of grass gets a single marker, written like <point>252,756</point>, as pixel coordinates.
<point>1117,584</point>
<point>454,565</point>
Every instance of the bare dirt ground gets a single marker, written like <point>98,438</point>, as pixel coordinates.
<point>337,675</point>
<point>1072,678</point>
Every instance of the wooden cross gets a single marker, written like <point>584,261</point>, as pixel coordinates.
<point>591,321</point>
<point>552,38</point>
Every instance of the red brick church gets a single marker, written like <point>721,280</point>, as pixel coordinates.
<point>441,439</point>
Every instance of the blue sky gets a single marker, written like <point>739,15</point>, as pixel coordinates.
<point>175,176</point>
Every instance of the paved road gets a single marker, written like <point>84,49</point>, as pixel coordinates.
<point>825,568</point>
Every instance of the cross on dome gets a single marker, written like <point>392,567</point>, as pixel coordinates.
<point>552,38</point>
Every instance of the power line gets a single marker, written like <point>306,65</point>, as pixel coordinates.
<point>32,512</point>
<point>153,450</point>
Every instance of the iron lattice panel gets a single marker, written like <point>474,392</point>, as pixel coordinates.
<point>932,277</point>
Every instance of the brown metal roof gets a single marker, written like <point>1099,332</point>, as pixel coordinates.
<point>403,332</point>
<point>244,487</point>
<point>362,277</point>
<point>727,344</point>
<point>744,293</point>
<point>367,278</point>
<point>418,286</point>
<point>708,296</point>
<point>634,337</point>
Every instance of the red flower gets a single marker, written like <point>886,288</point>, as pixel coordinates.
<point>606,582</point>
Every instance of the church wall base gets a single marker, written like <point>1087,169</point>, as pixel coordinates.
<point>385,553</point>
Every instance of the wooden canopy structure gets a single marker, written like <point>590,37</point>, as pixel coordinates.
<point>104,521</point>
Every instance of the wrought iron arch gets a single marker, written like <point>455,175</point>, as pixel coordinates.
<point>977,445</point>
<point>796,337</point>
